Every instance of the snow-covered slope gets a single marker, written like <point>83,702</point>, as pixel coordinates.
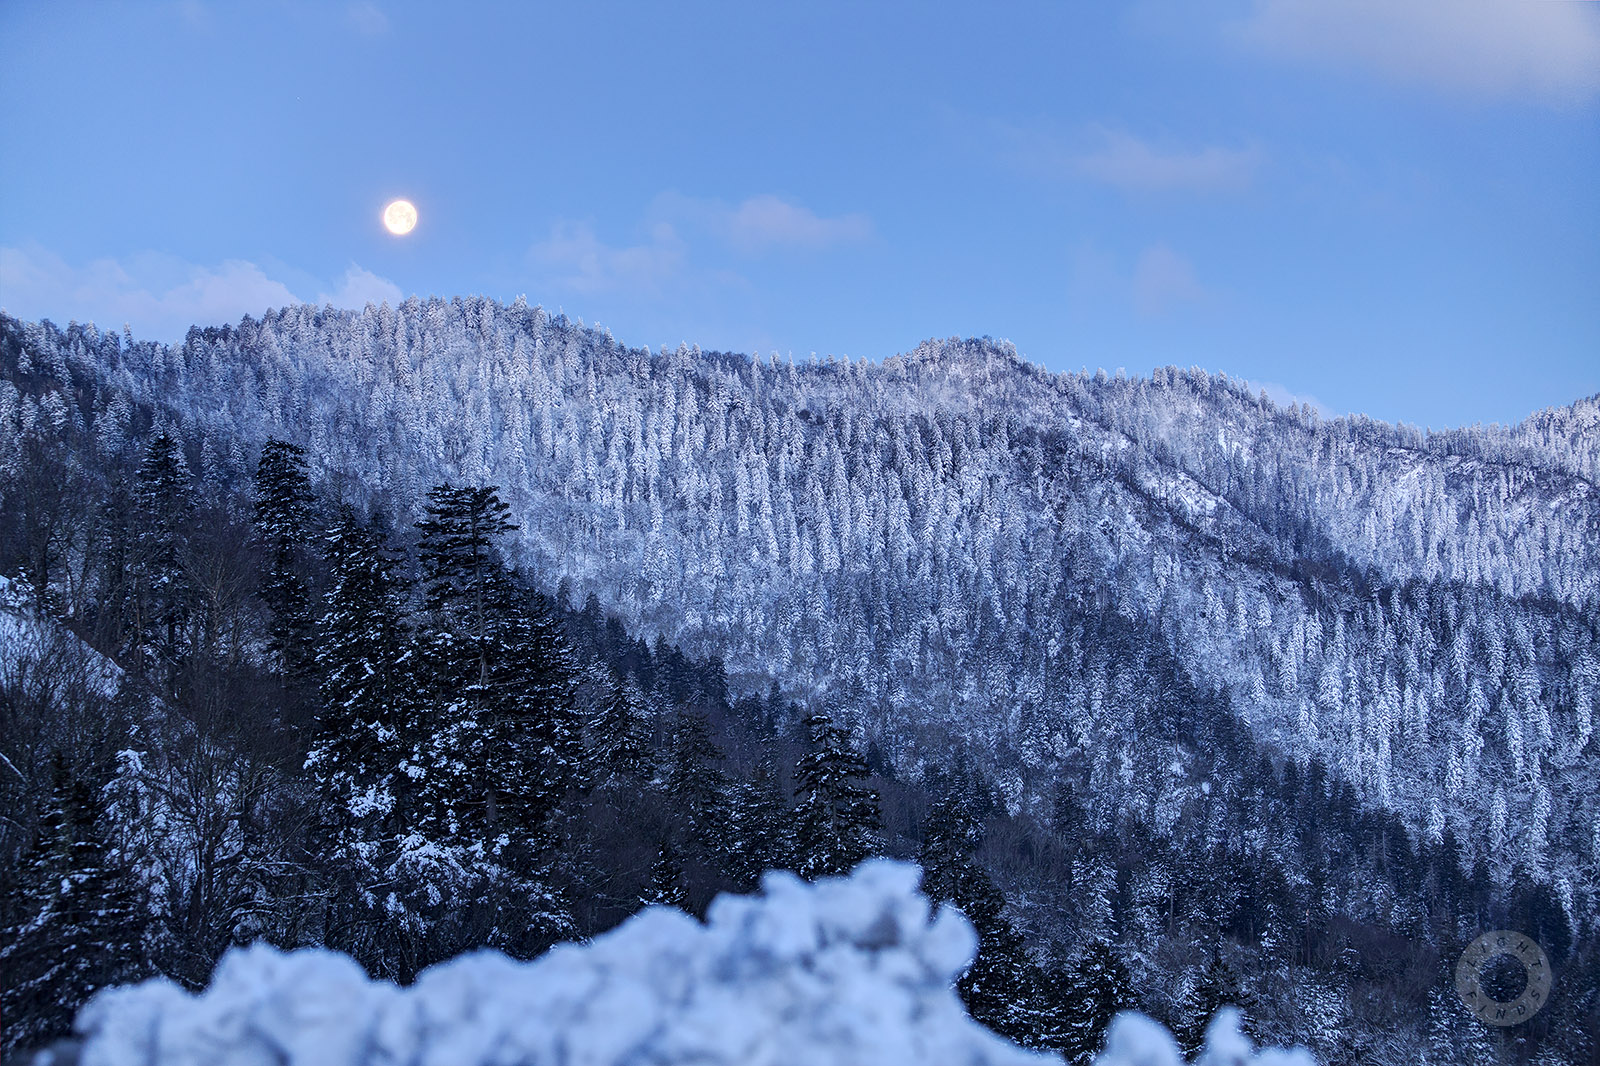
<point>28,642</point>
<point>847,971</point>
<point>931,543</point>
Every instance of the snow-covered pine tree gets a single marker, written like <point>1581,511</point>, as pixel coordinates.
<point>1217,985</point>
<point>534,730</point>
<point>755,840</point>
<point>366,720</point>
<point>696,786</point>
<point>1094,990</point>
<point>498,743</point>
<point>76,925</point>
<point>283,529</point>
<point>837,821</point>
<point>1003,988</point>
<point>460,646</point>
<point>1453,1036</point>
<point>950,836</point>
<point>164,502</point>
<point>620,732</point>
<point>665,887</point>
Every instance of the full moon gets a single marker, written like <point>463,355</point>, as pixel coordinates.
<point>400,217</point>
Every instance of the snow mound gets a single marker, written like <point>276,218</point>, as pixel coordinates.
<point>845,971</point>
<point>1134,1040</point>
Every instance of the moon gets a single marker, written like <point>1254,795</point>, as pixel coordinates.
<point>400,217</point>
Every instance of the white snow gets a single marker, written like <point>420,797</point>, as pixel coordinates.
<point>1134,1040</point>
<point>850,970</point>
<point>25,639</point>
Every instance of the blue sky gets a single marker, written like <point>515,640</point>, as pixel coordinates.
<point>1388,206</point>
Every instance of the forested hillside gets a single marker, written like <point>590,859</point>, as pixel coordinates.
<point>453,624</point>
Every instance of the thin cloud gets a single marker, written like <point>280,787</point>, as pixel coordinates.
<point>763,222</point>
<point>1163,281</point>
<point>1482,47</point>
<point>579,260</point>
<point>367,18</point>
<point>1284,397</point>
<point>361,287</point>
<point>1131,163</point>
<point>158,296</point>
<point>573,256</point>
<point>196,14</point>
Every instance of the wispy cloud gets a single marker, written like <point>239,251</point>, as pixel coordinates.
<point>579,260</point>
<point>194,13</point>
<point>1548,50</point>
<point>1284,397</point>
<point>361,287</point>
<point>761,224</point>
<point>367,18</point>
<point>1130,162</point>
<point>684,235</point>
<point>765,222</point>
<point>161,297</point>
<point>1163,280</point>
<point>1135,164</point>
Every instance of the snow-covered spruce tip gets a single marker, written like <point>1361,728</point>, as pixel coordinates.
<point>850,970</point>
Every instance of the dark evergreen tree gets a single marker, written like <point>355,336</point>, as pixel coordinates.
<point>837,821</point>
<point>1003,988</point>
<point>696,786</point>
<point>283,530</point>
<point>466,598</point>
<point>1092,992</point>
<point>755,841</point>
<point>666,886</point>
<point>164,504</point>
<point>463,577</point>
<point>497,741</point>
<point>534,725</point>
<point>950,837</point>
<point>366,722</point>
<point>76,927</point>
<point>113,550</point>
<point>1217,985</point>
<point>673,675</point>
<point>620,733</point>
<point>1453,1034</point>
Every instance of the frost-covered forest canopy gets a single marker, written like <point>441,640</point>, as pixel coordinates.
<point>451,624</point>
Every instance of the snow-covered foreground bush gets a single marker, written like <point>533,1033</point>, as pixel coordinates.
<point>849,970</point>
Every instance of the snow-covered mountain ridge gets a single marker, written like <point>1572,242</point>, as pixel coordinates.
<point>919,541</point>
